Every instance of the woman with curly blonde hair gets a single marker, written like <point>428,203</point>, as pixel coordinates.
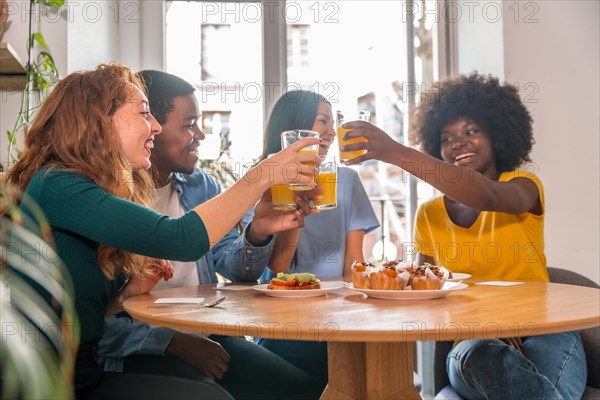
<point>84,162</point>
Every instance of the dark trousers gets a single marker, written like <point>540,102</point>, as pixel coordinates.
<point>91,383</point>
<point>114,385</point>
<point>254,372</point>
<point>310,357</point>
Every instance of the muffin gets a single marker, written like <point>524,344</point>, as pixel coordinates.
<point>389,278</point>
<point>428,277</point>
<point>360,276</point>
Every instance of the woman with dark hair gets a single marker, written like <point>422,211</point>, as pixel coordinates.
<point>489,222</point>
<point>84,163</point>
<point>330,241</point>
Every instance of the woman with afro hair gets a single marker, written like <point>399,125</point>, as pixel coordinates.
<point>476,135</point>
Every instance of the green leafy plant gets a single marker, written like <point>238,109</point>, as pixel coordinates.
<point>39,337</point>
<point>40,74</point>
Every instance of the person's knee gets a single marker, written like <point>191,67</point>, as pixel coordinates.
<point>478,355</point>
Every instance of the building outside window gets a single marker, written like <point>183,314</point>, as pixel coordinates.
<point>215,125</point>
<point>217,46</point>
<point>215,63</point>
<point>297,46</point>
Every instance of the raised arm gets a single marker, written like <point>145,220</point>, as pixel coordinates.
<point>222,212</point>
<point>462,184</point>
<point>103,218</point>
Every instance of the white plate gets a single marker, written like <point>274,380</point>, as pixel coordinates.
<point>412,294</point>
<point>325,288</point>
<point>458,276</point>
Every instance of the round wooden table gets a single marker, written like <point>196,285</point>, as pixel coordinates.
<point>370,340</point>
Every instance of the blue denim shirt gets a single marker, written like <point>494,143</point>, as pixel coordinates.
<point>233,257</point>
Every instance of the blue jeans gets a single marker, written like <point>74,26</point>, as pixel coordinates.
<point>549,367</point>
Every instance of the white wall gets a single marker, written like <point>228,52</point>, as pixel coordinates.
<point>559,56</point>
<point>83,35</point>
<point>551,50</point>
<point>92,34</point>
<point>128,31</point>
<point>479,36</point>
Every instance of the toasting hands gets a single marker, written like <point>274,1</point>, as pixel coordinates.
<point>379,145</point>
<point>268,221</point>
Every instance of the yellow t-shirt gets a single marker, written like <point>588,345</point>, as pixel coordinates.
<point>497,246</point>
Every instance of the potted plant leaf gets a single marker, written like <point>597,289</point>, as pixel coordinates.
<point>40,334</point>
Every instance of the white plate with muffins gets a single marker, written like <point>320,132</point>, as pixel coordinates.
<point>408,294</point>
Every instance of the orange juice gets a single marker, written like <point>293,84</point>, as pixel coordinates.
<point>299,186</point>
<point>328,181</point>
<point>348,155</point>
<point>284,199</point>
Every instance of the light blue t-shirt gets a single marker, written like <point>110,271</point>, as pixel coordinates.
<point>322,243</point>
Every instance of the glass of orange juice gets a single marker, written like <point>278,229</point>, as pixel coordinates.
<point>327,179</point>
<point>342,118</point>
<point>284,199</point>
<point>290,137</point>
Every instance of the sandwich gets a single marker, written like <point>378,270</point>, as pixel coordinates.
<point>298,281</point>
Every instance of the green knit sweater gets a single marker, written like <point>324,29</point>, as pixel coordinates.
<point>82,216</point>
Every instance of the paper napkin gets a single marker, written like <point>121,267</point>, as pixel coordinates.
<point>499,283</point>
<point>180,300</point>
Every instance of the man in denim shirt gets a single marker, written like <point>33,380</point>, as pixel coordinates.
<point>237,365</point>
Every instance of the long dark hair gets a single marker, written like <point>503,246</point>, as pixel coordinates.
<point>296,109</point>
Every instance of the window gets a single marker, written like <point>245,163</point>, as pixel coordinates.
<point>360,68</point>
<point>215,125</point>
<point>297,46</point>
<point>424,73</point>
<point>373,55</point>
<point>214,62</point>
<point>359,54</point>
<point>217,46</point>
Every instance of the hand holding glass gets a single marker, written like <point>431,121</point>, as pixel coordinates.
<point>282,197</point>
<point>290,137</point>
<point>327,180</point>
<point>342,118</point>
